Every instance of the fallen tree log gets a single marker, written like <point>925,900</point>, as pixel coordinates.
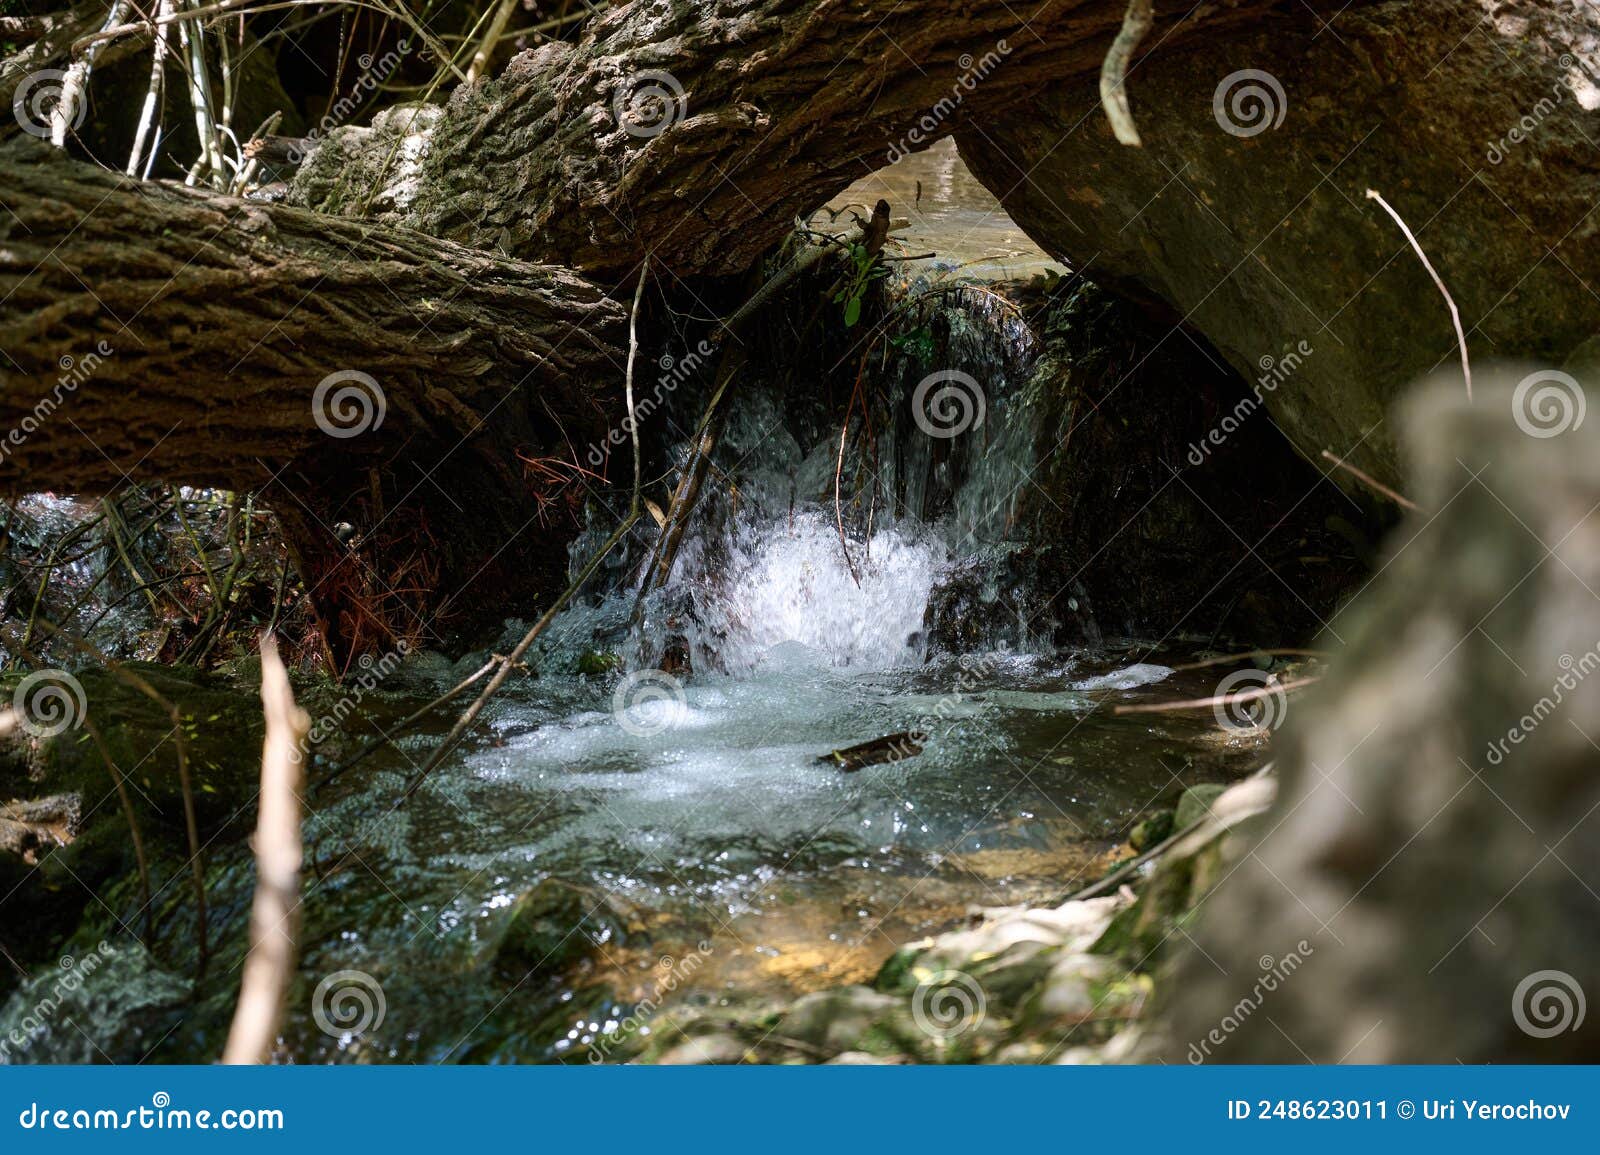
<point>700,131</point>
<point>351,373</point>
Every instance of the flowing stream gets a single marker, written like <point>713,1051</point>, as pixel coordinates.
<point>653,805</point>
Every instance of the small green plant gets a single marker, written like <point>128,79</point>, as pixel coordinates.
<point>916,343</point>
<point>864,269</point>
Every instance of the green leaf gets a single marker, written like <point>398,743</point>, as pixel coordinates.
<point>852,311</point>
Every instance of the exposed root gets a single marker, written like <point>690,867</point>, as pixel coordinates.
<point>1114,71</point>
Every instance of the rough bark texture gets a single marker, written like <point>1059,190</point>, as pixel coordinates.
<point>1461,714</point>
<point>1478,121</point>
<point>784,103</point>
<point>173,333</point>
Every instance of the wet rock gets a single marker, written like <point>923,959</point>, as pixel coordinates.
<point>840,1020</point>
<point>551,927</point>
<point>723,1047</point>
<point>103,1003</point>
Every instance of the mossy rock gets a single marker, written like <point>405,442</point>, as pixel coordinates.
<point>596,662</point>
<point>1195,804</point>
<point>1153,830</point>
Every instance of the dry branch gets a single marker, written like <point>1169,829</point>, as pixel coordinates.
<point>269,967</point>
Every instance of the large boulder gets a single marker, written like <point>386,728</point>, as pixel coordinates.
<point>1245,210</point>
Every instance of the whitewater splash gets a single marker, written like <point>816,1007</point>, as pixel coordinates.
<point>787,597</point>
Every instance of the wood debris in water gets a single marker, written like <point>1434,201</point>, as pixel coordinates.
<point>889,748</point>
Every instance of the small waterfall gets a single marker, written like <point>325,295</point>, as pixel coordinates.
<point>786,595</point>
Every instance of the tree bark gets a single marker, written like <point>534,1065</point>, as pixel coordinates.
<point>783,104</point>
<point>163,332</point>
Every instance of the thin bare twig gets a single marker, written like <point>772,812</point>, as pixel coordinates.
<point>1216,699</point>
<point>1455,314</point>
<point>1368,479</point>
